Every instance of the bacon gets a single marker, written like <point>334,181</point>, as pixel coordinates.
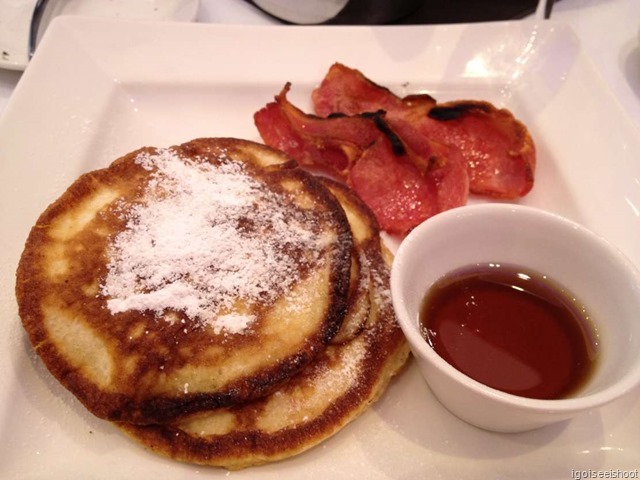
<point>346,90</point>
<point>403,187</point>
<point>329,144</point>
<point>496,148</point>
<point>393,188</point>
<point>407,157</point>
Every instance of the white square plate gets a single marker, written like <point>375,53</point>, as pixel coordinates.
<point>99,88</point>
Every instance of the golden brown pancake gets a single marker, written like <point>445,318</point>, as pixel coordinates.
<point>316,403</point>
<point>185,279</point>
<point>364,230</point>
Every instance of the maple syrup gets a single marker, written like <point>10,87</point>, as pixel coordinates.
<point>511,329</point>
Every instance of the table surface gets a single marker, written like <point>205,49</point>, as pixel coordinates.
<point>608,30</point>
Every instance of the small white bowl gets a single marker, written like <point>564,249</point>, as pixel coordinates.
<point>572,256</point>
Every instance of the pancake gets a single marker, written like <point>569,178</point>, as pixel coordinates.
<point>365,230</point>
<point>184,279</point>
<point>320,400</point>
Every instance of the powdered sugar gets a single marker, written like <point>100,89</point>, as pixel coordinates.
<point>204,237</point>
<point>380,291</point>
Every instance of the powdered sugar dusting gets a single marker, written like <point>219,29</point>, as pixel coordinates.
<point>204,237</point>
<point>381,291</point>
<point>333,380</point>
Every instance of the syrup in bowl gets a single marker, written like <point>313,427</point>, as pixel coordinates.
<point>512,329</point>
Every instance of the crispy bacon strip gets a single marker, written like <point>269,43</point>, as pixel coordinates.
<point>496,148</point>
<point>329,144</point>
<point>393,187</point>
<point>346,90</point>
<point>401,187</point>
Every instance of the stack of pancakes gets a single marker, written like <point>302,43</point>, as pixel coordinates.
<point>219,304</point>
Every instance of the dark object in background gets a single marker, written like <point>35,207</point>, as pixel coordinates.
<point>470,11</point>
<point>403,12</point>
<point>372,12</point>
<point>338,12</point>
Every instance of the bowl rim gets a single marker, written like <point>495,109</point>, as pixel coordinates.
<point>628,381</point>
